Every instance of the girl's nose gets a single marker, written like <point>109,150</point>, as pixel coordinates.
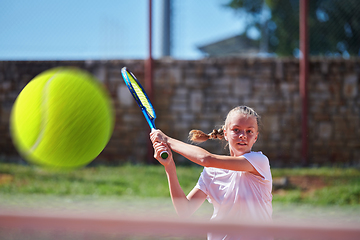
<point>242,134</point>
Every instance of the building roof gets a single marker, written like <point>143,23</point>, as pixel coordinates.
<point>238,45</point>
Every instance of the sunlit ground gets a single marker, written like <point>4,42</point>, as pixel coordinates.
<point>163,206</point>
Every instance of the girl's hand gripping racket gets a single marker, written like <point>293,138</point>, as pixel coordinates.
<point>140,96</point>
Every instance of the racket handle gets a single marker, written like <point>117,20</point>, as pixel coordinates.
<point>164,154</point>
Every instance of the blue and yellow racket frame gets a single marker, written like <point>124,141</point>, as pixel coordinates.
<point>143,100</point>
<point>148,112</point>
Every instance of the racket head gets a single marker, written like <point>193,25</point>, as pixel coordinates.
<point>142,99</point>
<point>140,96</point>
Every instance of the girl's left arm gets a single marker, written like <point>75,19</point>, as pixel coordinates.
<point>184,205</point>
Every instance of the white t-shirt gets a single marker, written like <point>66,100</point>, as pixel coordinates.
<point>238,195</point>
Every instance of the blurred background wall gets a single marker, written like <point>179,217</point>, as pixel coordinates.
<point>198,94</point>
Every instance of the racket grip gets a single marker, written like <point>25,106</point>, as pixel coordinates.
<point>164,154</point>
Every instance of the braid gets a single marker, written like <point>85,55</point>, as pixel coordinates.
<point>199,136</point>
<point>217,134</point>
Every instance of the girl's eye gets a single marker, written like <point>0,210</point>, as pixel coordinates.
<point>249,131</point>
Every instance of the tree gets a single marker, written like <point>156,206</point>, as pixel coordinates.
<point>334,25</point>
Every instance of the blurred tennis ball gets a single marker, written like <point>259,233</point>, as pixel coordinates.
<point>62,119</point>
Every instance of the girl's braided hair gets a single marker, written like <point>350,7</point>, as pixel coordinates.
<point>199,136</point>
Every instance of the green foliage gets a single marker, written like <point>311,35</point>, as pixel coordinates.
<point>342,186</point>
<point>337,195</point>
<point>127,180</point>
<point>326,172</point>
<point>290,196</point>
<point>334,25</point>
<point>142,181</point>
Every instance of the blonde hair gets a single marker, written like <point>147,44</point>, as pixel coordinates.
<point>199,136</point>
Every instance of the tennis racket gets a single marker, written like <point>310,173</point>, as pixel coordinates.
<point>140,96</point>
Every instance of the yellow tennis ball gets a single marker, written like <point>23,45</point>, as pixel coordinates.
<point>62,119</point>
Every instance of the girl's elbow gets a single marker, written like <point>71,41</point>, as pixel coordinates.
<point>206,161</point>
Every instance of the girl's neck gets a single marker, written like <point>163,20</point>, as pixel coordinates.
<point>237,154</point>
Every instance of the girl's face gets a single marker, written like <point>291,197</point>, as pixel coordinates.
<point>241,133</point>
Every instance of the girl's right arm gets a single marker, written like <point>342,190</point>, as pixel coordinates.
<point>202,157</point>
<point>184,205</point>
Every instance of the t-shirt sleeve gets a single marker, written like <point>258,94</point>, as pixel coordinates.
<point>202,183</point>
<point>261,163</point>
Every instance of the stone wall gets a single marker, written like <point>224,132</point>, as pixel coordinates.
<point>198,94</point>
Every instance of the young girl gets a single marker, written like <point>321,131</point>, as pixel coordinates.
<point>239,186</point>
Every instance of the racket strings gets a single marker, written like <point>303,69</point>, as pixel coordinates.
<point>142,97</point>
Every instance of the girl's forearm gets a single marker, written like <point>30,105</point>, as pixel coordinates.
<point>193,153</point>
<point>174,185</point>
<point>178,197</point>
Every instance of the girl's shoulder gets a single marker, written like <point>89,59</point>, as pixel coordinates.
<point>261,163</point>
<point>256,155</point>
